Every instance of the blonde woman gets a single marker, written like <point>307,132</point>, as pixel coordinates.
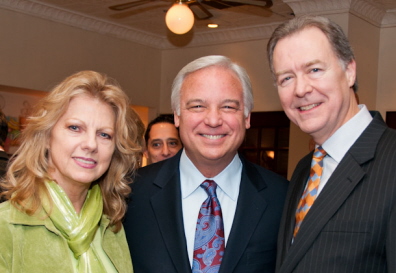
<point>67,182</point>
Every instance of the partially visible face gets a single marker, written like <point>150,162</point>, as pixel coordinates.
<point>82,143</point>
<point>212,123</point>
<point>313,85</point>
<point>163,142</point>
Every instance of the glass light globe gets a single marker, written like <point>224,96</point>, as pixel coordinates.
<point>179,18</point>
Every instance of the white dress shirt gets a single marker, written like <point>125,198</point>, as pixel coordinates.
<point>193,196</point>
<point>341,141</point>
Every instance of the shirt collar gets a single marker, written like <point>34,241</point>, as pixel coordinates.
<point>227,180</point>
<point>347,134</point>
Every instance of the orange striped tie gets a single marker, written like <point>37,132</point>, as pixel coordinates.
<point>310,193</point>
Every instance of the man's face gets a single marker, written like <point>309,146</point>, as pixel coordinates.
<point>313,85</point>
<point>163,142</point>
<point>212,123</point>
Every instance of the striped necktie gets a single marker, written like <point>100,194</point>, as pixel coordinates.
<point>311,191</point>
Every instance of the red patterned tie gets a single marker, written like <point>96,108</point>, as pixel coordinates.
<point>209,235</point>
<point>311,191</point>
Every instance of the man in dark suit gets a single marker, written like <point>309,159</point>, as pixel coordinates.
<point>212,100</point>
<point>350,227</point>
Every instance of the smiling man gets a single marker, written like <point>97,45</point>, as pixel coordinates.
<point>340,211</point>
<point>207,209</point>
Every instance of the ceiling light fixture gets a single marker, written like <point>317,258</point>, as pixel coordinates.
<point>179,18</point>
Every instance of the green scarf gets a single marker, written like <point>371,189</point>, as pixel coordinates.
<point>78,229</point>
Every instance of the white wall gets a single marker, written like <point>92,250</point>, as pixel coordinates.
<point>250,55</point>
<point>386,87</point>
<point>37,54</point>
<point>365,40</point>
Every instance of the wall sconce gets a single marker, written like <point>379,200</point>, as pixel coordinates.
<point>179,18</point>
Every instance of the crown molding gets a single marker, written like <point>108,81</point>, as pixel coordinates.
<point>319,7</point>
<point>375,12</point>
<point>381,13</point>
<point>82,21</point>
<point>369,10</point>
<point>86,22</point>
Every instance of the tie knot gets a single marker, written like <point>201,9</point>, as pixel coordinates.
<point>319,153</point>
<point>210,187</point>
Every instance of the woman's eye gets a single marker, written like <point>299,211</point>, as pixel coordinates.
<point>73,127</point>
<point>104,135</point>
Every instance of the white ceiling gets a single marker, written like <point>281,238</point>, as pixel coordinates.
<point>145,24</point>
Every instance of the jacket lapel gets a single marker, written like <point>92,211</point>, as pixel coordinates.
<point>293,196</point>
<point>342,182</point>
<point>248,213</point>
<point>167,208</point>
<point>336,191</point>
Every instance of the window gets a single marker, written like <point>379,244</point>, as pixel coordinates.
<point>267,141</point>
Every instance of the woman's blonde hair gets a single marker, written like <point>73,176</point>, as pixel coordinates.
<point>29,165</point>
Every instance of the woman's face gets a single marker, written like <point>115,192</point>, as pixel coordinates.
<point>82,143</point>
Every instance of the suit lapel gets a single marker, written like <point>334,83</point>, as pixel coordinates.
<point>293,198</point>
<point>336,191</point>
<point>342,182</point>
<point>167,208</point>
<point>247,215</point>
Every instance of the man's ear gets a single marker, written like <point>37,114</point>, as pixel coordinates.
<point>177,119</point>
<point>351,73</point>
<point>247,121</point>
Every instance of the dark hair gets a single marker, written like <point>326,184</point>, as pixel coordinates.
<point>3,129</point>
<point>160,119</point>
<point>334,33</point>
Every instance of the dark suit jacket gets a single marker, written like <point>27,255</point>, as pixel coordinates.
<point>154,221</point>
<point>351,227</point>
<point>3,168</point>
<point>3,162</point>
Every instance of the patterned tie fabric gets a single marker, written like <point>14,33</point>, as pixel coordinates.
<point>209,235</point>
<point>311,191</point>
